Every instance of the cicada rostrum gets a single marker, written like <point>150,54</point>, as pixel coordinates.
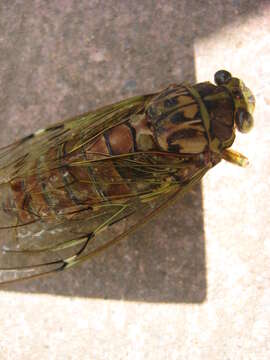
<point>70,191</point>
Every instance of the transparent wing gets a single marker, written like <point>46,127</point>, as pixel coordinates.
<point>52,244</point>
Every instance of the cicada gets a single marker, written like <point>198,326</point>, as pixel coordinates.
<point>70,191</point>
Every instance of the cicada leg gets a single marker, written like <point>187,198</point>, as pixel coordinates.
<point>235,157</point>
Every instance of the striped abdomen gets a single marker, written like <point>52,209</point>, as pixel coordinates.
<point>78,181</point>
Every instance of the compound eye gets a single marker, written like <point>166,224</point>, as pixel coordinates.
<point>222,76</point>
<point>244,120</point>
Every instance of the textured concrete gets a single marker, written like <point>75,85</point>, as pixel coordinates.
<point>193,284</point>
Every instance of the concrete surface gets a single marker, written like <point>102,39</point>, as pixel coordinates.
<point>191,286</point>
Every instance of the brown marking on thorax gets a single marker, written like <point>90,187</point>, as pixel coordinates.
<point>220,107</point>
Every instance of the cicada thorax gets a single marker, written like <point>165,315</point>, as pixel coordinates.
<point>192,119</point>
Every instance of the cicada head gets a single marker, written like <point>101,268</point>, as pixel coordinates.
<point>244,100</point>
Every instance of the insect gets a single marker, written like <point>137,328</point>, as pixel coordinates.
<point>70,191</point>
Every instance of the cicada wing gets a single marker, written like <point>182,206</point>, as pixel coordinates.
<point>45,247</point>
<point>42,246</point>
<point>20,158</point>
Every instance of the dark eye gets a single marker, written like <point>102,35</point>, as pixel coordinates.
<point>244,120</point>
<point>222,76</point>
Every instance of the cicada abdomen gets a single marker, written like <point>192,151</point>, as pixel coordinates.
<point>63,187</point>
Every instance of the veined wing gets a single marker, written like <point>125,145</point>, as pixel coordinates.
<point>49,245</point>
<point>20,157</point>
